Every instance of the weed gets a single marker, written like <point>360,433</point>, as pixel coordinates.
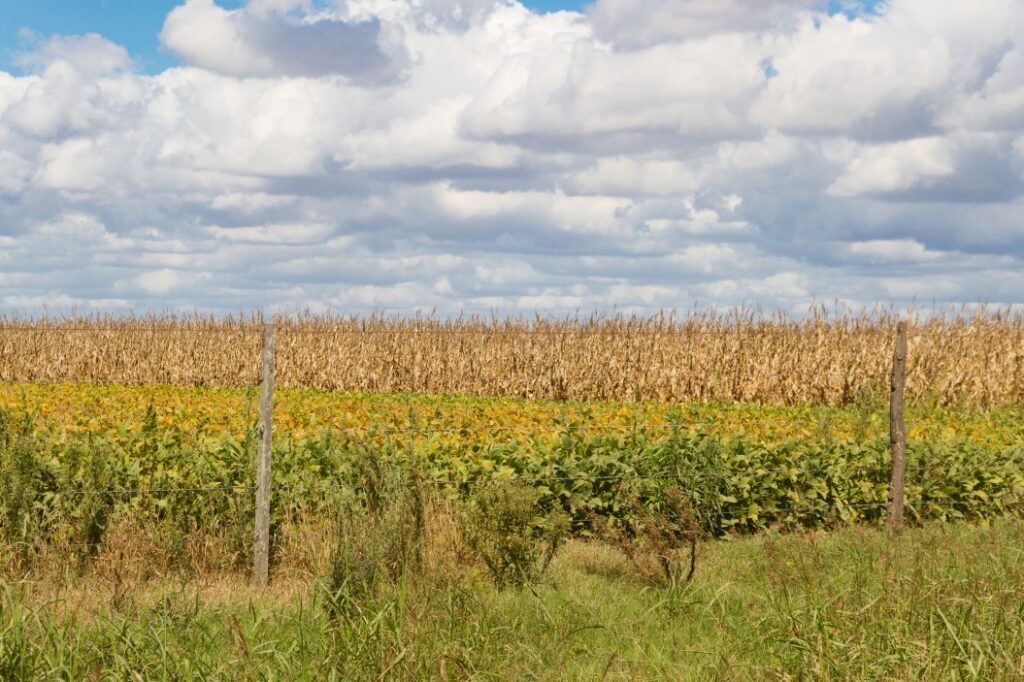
<point>505,527</point>
<point>380,528</point>
<point>661,545</point>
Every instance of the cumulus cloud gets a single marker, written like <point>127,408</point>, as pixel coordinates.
<point>668,93</point>
<point>82,83</point>
<point>473,155</point>
<point>894,167</point>
<point>266,38</point>
<point>90,54</point>
<point>638,24</point>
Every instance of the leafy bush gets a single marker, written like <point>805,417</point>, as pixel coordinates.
<point>738,484</point>
<point>656,542</point>
<point>21,478</point>
<point>505,526</point>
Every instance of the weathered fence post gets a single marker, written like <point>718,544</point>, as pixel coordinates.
<point>897,430</point>
<point>261,562</point>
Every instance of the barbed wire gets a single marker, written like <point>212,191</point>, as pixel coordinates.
<point>496,332</point>
<point>746,515</point>
<point>569,427</point>
<point>528,428</point>
<point>336,484</point>
<point>146,491</point>
<point>328,429</point>
<point>762,516</point>
<point>59,328</point>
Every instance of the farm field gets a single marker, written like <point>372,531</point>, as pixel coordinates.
<point>525,340</point>
<point>198,413</point>
<point>746,467</point>
<point>563,530</point>
<point>956,357</point>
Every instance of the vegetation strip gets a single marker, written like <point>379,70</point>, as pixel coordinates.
<point>939,602</point>
<point>71,488</point>
<point>956,357</point>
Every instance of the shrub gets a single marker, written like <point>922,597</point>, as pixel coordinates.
<point>661,545</point>
<point>504,526</point>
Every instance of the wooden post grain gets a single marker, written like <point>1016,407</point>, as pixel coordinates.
<point>897,430</point>
<point>261,562</point>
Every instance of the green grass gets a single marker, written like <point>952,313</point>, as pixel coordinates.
<point>941,602</point>
<point>161,596</point>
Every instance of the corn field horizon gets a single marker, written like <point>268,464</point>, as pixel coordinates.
<point>961,356</point>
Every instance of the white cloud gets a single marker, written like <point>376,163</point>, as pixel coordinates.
<point>265,39</point>
<point>886,75</point>
<point>203,33</point>
<point>642,23</point>
<point>421,154</point>
<point>772,150</point>
<point>784,285</point>
<point>629,176</point>
<point>89,54</point>
<point>251,202</point>
<point>706,258</point>
<point>998,104</point>
<point>158,281</point>
<point>580,87</point>
<point>894,167</point>
<point>892,251</point>
<point>14,172</point>
<point>598,215</point>
<point>275,234</point>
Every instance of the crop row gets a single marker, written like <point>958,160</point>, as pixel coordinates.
<point>201,415</point>
<point>836,359</point>
<point>70,489</point>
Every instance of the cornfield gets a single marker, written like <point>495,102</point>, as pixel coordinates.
<point>958,357</point>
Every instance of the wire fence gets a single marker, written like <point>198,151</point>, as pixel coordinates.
<point>496,333</point>
<point>736,512</point>
<point>744,358</point>
<point>297,329</point>
<point>722,517</point>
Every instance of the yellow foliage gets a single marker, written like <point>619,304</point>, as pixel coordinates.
<point>211,413</point>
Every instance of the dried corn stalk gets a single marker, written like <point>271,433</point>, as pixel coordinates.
<point>973,356</point>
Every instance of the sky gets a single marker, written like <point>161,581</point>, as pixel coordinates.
<point>133,24</point>
<point>486,155</point>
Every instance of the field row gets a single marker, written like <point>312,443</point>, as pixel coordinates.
<point>826,359</point>
<point>196,415</point>
<point>54,480</point>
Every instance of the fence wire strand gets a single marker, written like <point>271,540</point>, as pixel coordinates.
<point>285,330</point>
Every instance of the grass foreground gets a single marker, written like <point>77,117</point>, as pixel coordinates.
<point>939,602</point>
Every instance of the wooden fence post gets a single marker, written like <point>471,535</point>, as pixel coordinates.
<point>897,430</point>
<point>261,562</point>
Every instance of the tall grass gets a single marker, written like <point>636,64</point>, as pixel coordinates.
<point>967,356</point>
<point>939,603</point>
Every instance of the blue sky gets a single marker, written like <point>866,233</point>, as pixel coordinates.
<point>135,24</point>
